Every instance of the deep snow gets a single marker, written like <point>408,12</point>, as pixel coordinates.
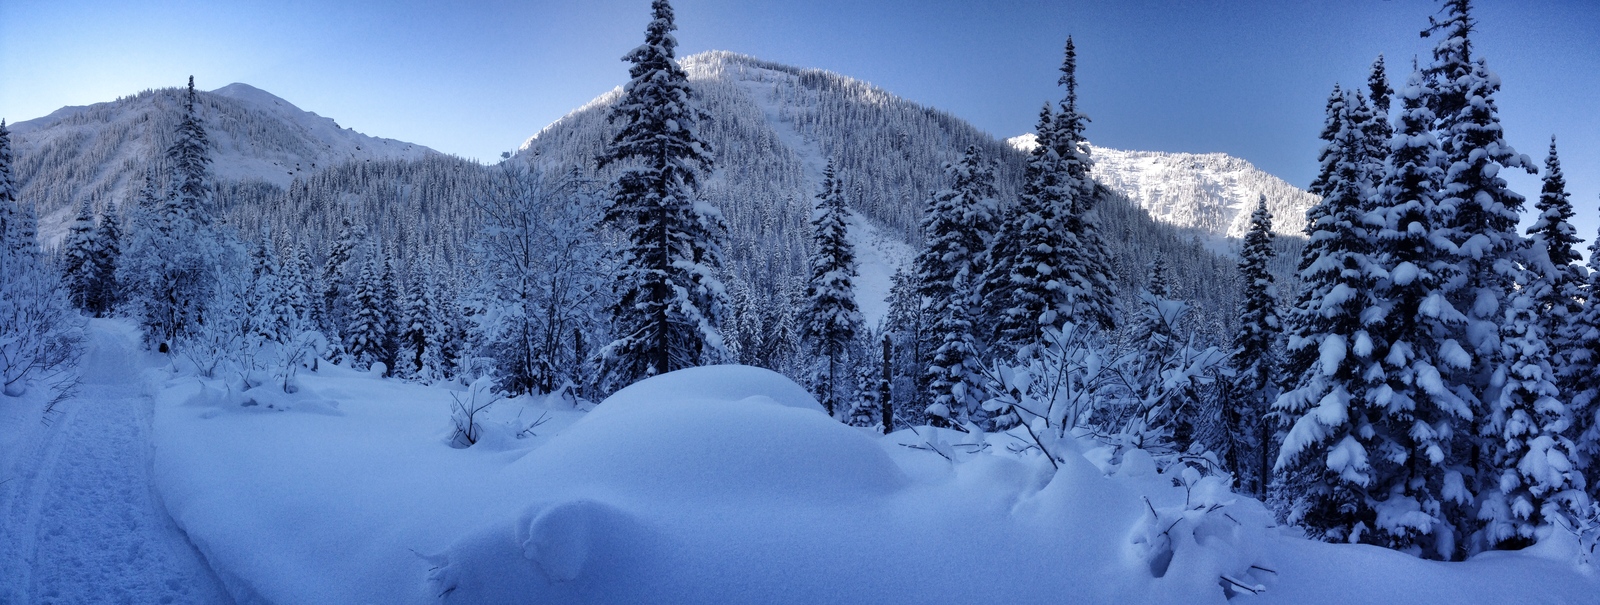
<point>724,484</point>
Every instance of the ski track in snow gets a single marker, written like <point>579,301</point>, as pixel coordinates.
<point>81,522</point>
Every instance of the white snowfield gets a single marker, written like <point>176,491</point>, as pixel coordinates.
<point>723,484</point>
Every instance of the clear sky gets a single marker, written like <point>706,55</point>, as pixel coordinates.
<point>477,77</point>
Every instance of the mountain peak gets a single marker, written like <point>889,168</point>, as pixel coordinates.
<point>1213,192</point>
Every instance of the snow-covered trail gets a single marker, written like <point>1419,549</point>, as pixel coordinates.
<point>79,520</point>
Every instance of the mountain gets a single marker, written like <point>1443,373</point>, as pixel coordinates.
<point>99,153</point>
<point>773,127</point>
<point>1212,192</point>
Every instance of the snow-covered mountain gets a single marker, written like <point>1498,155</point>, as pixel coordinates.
<point>99,153</point>
<point>1212,192</point>
<point>773,127</point>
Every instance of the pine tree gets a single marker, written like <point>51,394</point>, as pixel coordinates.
<point>1417,326</point>
<point>1020,291</point>
<point>1554,259</point>
<point>1478,217</point>
<point>1378,129</point>
<point>1582,365</point>
<point>268,315</point>
<point>956,228</point>
<point>831,321</point>
<point>105,293</point>
<point>417,330</point>
<point>1327,158</point>
<point>670,300</point>
<point>78,259</point>
<point>954,380</point>
<point>1091,291</point>
<point>1253,359</point>
<point>873,407</point>
<point>339,274</point>
<point>1327,450</point>
<point>172,273</point>
<point>367,330</point>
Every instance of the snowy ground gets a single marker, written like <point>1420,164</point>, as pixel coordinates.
<point>714,485</point>
<point>79,520</point>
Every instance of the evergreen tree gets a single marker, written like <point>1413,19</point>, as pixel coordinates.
<point>873,406</point>
<point>1091,291</point>
<point>174,254</point>
<point>104,290</point>
<point>1378,129</point>
<point>955,229</point>
<point>366,333</point>
<point>1478,217</point>
<point>831,319</point>
<point>416,330</point>
<point>1582,369</point>
<point>954,379</point>
<point>339,274</point>
<point>1418,327</point>
<point>1331,401</point>
<point>1327,158</point>
<point>78,259</point>
<point>1253,359</point>
<point>670,300</point>
<point>1554,259</point>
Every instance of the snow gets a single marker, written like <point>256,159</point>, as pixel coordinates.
<point>79,520</point>
<point>878,257</point>
<point>714,484</point>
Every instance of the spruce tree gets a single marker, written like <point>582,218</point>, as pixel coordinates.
<point>367,331</point>
<point>39,334</point>
<point>1554,259</point>
<point>1021,290</point>
<point>1417,325</point>
<point>78,260</point>
<point>670,301</point>
<point>956,228</point>
<point>1327,451</point>
<point>1478,217</point>
<point>105,293</point>
<point>1253,360</point>
<point>1091,291</point>
<point>831,321</point>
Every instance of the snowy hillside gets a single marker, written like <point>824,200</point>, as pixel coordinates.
<point>99,153</point>
<point>1212,192</point>
<point>774,126</point>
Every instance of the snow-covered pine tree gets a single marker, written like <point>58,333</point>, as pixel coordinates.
<point>1378,129</point>
<point>957,228</point>
<point>1090,290</point>
<point>393,310</point>
<point>105,293</point>
<point>298,287</point>
<point>1327,158</point>
<point>1422,414</point>
<point>1554,258</point>
<point>1021,294</point>
<point>173,273</point>
<point>830,321</point>
<point>1253,359</point>
<point>417,327</point>
<point>268,315</point>
<point>907,325</point>
<point>1326,453</point>
<point>39,333</point>
<point>78,259</point>
<point>1478,217</point>
<point>1533,481</point>
<point>1583,367</point>
<point>873,407</point>
<point>366,333</point>
<point>339,274</point>
<point>954,372</point>
<point>670,300</point>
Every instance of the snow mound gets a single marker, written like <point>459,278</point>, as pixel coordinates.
<point>713,383</point>
<point>712,432</point>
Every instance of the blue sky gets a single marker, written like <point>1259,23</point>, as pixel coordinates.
<point>475,78</point>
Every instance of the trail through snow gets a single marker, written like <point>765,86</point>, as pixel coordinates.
<point>79,519</point>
